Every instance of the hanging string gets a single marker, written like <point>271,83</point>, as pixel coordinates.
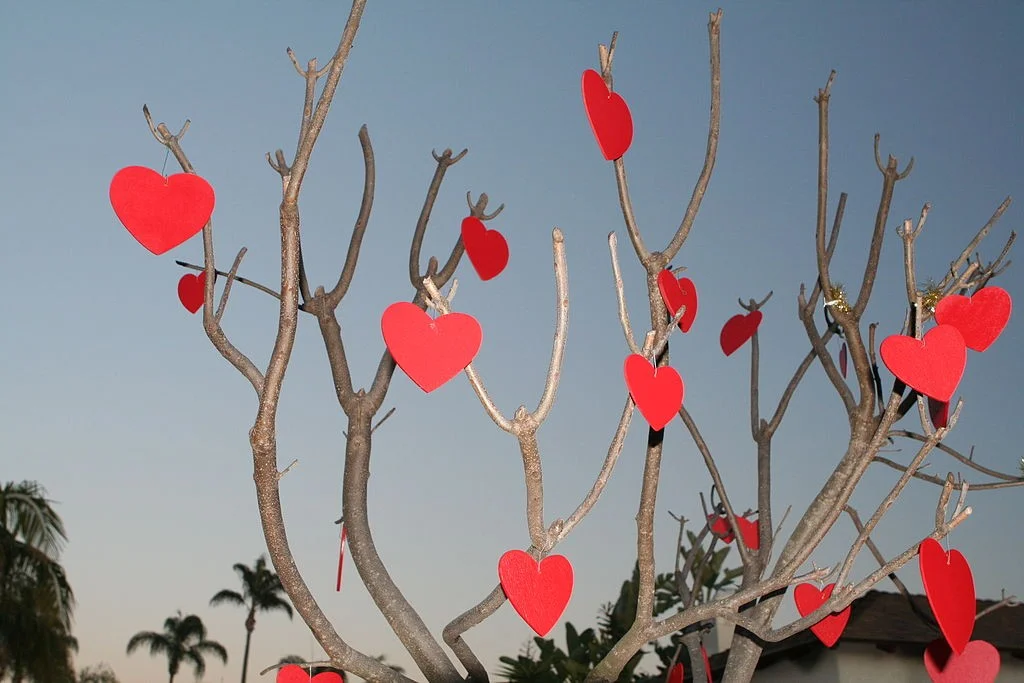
<point>163,168</point>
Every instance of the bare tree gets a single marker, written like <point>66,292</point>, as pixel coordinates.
<point>872,414</point>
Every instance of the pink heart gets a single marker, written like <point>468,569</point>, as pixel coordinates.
<point>609,116</point>
<point>949,585</point>
<point>539,592</point>
<point>159,212</point>
<point>191,291</point>
<point>487,249</point>
<point>809,598</point>
<point>657,392</point>
<point>676,294</point>
<point>293,673</point>
<point>978,663</point>
<point>980,318</point>
<point>737,330</point>
<point>430,351</point>
<point>932,366</point>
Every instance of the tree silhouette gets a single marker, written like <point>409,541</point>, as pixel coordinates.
<point>261,592</point>
<point>183,641</point>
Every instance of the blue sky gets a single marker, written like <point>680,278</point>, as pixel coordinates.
<point>113,398</point>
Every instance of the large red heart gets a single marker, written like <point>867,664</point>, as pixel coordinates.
<point>539,592</point>
<point>430,351</point>
<point>978,663</point>
<point>191,291</point>
<point>980,318</point>
<point>609,116</point>
<point>487,249</point>
<point>809,598</point>
<point>293,673</point>
<point>160,212</point>
<point>657,392</point>
<point>932,366</point>
<point>738,329</point>
<point>949,585</point>
<point>676,294</point>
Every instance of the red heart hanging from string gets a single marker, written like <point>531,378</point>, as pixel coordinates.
<point>939,412</point>
<point>949,585</point>
<point>932,366</point>
<point>842,359</point>
<point>160,212</point>
<point>978,663</point>
<point>980,318</point>
<point>737,330</point>
<point>808,598</point>
<point>539,592</point>
<point>293,673</point>
<point>430,351</point>
<point>341,556</point>
<point>657,392</point>
<point>487,249</point>
<point>749,532</point>
<point>677,673</point>
<point>676,294</point>
<point>609,116</point>
<point>191,291</point>
<point>719,526</point>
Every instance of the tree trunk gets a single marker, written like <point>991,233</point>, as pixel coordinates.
<point>250,624</point>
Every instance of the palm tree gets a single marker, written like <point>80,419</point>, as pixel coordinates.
<point>183,640</point>
<point>261,592</point>
<point>36,601</point>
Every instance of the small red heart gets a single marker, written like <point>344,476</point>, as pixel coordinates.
<point>809,598</point>
<point>978,663</point>
<point>430,351</point>
<point>842,359</point>
<point>609,116</point>
<point>719,526</point>
<point>949,585</point>
<point>293,673</point>
<point>487,249</point>
<point>191,291</point>
<point>539,592</point>
<point>677,673</point>
<point>749,532</point>
<point>676,294</point>
<point>657,392</point>
<point>939,411</point>
<point>738,329</point>
<point>980,318</point>
<point>160,212</point>
<point>932,366</point>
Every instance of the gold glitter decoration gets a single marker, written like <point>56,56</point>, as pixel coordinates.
<point>837,299</point>
<point>930,296</point>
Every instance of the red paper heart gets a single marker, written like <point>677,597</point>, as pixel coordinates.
<point>190,291</point>
<point>809,598</point>
<point>430,351</point>
<point>842,359</point>
<point>609,116</point>
<point>980,318</point>
<point>719,526</point>
<point>738,329</point>
<point>949,585</point>
<point>979,662</point>
<point>676,294</point>
<point>293,673</point>
<point>749,532</point>
<point>932,366</point>
<point>487,249</point>
<point>539,592</point>
<point>657,392</point>
<point>159,212</point>
<point>676,673</point>
<point>939,411</point>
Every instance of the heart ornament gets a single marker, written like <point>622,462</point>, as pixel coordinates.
<point>539,591</point>
<point>657,392</point>
<point>738,329</point>
<point>939,412</point>
<point>949,585</point>
<point>719,526</point>
<point>932,366</point>
<point>191,291</point>
<point>677,673</point>
<point>978,663</point>
<point>808,598</point>
<point>748,531</point>
<point>293,673</point>
<point>609,116</point>
<point>430,351</point>
<point>980,318</point>
<point>676,294</point>
<point>160,212</point>
<point>487,249</point>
